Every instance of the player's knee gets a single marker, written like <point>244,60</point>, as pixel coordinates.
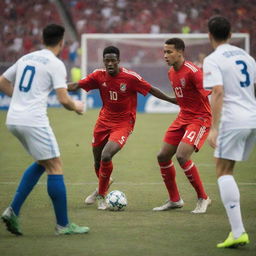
<point>181,159</point>
<point>162,157</point>
<point>52,166</point>
<point>106,157</point>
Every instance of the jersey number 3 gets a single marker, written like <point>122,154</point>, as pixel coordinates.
<point>27,78</point>
<point>244,71</point>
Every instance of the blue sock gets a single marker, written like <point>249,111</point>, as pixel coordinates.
<point>28,181</point>
<point>57,192</point>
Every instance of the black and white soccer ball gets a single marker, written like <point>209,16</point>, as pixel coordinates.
<point>116,200</point>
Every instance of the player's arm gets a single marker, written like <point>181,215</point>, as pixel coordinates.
<point>160,95</point>
<point>68,102</point>
<point>6,86</point>
<point>73,86</point>
<point>216,106</point>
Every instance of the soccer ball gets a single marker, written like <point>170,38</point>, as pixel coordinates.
<point>116,200</point>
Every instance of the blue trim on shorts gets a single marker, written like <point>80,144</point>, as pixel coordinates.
<point>220,142</point>
<point>50,141</point>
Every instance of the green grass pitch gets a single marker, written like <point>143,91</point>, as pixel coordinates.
<point>137,230</point>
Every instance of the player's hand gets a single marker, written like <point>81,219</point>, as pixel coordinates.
<point>212,137</point>
<point>79,105</point>
<point>72,86</point>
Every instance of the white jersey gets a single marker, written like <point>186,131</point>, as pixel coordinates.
<point>34,76</point>
<point>235,70</point>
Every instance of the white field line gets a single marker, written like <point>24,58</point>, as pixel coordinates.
<point>126,183</point>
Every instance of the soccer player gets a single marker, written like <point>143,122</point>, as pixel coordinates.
<point>189,131</point>
<point>231,75</point>
<point>118,89</point>
<point>34,76</point>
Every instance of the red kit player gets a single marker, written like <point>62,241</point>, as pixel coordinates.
<point>118,90</point>
<point>190,129</point>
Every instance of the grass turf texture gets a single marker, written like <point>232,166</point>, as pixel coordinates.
<point>137,230</point>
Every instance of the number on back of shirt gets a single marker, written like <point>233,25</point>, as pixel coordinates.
<point>113,95</point>
<point>244,71</point>
<point>27,78</point>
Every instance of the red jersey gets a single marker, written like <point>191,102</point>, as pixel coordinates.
<point>192,98</point>
<point>118,93</point>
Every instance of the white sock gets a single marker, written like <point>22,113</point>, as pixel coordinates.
<point>230,197</point>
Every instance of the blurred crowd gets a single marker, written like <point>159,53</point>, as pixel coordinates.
<point>22,20</point>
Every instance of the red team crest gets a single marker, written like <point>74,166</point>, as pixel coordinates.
<point>122,87</point>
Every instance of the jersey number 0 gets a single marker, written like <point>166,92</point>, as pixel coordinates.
<point>27,78</point>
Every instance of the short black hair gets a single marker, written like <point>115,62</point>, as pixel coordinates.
<point>177,42</point>
<point>111,49</point>
<point>219,27</point>
<point>53,34</point>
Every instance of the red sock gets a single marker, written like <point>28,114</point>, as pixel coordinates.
<point>104,175</point>
<point>192,174</point>
<point>168,173</point>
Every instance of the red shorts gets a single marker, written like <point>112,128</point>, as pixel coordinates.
<point>118,133</point>
<point>193,132</point>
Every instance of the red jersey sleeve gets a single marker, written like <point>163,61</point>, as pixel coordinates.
<point>140,85</point>
<point>90,82</point>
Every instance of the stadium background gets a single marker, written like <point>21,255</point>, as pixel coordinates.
<point>22,23</point>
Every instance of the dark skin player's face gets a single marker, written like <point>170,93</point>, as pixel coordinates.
<point>111,62</point>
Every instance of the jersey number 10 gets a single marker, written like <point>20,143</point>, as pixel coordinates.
<point>113,95</point>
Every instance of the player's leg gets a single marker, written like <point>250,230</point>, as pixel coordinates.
<point>230,197</point>
<point>100,138</point>
<point>91,199</point>
<point>106,166</point>
<point>97,151</point>
<point>235,145</point>
<point>168,174</point>
<point>192,140</point>
<point>117,139</point>
<point>167,169</point>
<point>57,191</point>
<point>29,179</point>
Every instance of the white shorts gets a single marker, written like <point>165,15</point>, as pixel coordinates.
<point>40,142</point>
<point>235,144</point>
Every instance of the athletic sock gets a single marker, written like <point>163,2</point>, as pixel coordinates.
<point>104,176</point>
<point>29,179</point>
<point>168,173</point>
<point>192,174</point>
<point>57,192</point>
<point>230,197</point>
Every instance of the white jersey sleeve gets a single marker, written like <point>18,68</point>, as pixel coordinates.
<point>212,74</point>
<point>59,76</point>
<point>10,73</point>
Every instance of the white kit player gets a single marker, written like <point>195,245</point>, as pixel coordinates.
<point>231,75</point>
<point>34,76</point>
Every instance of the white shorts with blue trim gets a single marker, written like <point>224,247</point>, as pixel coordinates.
<point>235,144</point>
<point>40,142</point>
